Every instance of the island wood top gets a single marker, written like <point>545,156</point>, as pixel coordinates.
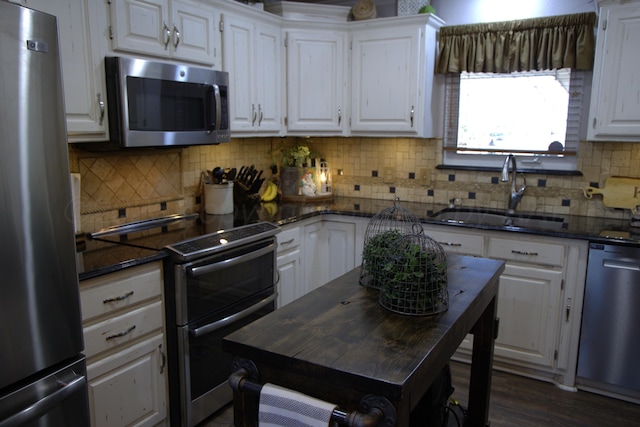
<point>339,338</point>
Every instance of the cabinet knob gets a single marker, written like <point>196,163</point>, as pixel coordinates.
<point>412,112</point>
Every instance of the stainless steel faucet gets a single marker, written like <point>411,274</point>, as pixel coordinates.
<point>515,195</point>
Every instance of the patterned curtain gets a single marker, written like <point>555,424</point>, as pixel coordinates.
<point>565,41</point>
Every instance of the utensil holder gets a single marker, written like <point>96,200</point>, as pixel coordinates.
<point>218,198</point>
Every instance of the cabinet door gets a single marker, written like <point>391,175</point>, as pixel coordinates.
<point>141,26</point>
<point>316,65</point>
<point>385,79</point>
<point>341,238</point>
<point>528,308</point>
<point>615,108</point>
<point>268,78</point>
<point>238,60</point>
<point>314,248</point>
<point>193,35</point>
<point>82,73</point>
<point>129,387</point>
<point>290,277</point>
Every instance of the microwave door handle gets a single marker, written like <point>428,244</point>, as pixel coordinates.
<point>208,268</point>
<point>218,103</point>
<point>210,327</point>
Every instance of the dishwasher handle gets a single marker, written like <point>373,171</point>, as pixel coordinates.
<point>621,265</point>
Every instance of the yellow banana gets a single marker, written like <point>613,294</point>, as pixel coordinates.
<point>270,192</point>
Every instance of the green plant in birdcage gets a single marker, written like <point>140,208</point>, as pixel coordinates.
<point>414,276</point>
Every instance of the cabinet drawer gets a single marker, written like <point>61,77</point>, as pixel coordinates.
<point>122,329</point>
<point>466,244</point>
<point>527,251</point>
<point>288,238</point>
<point>108,294</point>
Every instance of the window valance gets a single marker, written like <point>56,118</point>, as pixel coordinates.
<point>564,41</point>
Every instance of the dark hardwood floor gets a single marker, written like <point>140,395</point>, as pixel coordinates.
<point>522,402</point>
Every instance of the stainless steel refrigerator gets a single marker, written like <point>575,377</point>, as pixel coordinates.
<point>42,371</point>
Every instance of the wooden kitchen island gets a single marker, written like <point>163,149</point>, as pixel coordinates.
<point>338,344</point>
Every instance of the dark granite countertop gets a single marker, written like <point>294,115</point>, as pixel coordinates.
<point>96,258</point>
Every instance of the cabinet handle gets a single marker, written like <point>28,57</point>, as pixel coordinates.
<point>412,111</point>
<point>260,115</point>
<point>120,298</point>
<point>568,309</point>
<point>287,242</point>
<point>163,359</point>
<point>167,35</point>
<point>450,244</point>
<point>253,114</point>
<point>121,334</point>
<point>524,253</point>
<point>176,33</point>
<point>101,105</point>
<point>339,116</point>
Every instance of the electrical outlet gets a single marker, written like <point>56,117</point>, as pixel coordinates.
<point>389,176</point>
<point>425,177</point>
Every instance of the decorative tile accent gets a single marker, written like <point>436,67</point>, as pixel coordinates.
<point>566,202</point>
<point>452,177</point>
<point>472,195</point>
<point>392,190</point>
<point>356,187</point>
<point>412,175</point>
<point>495,180</point>
<point>374,173</point>
<point>542,183</point>
<point>114,181</point>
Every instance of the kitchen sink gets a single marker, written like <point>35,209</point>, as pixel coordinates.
<point>498,218</point>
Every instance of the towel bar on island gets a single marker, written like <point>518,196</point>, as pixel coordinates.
<point>374,411</point>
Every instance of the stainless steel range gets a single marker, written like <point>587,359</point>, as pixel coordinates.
<point>214,285</point>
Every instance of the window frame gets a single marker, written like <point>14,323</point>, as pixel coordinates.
<point>543,162</point>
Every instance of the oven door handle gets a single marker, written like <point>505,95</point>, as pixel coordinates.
<point>208,268</point>
<point>202,330</point>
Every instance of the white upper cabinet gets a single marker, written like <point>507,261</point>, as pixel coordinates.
<point>252,55</point>
<point>392,76</point>
<point>615,98</point>
<point>317,67</point>
<point>82,70</point>
<point>175,29</point>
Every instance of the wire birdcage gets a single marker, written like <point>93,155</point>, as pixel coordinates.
<point>414,277</point>
<point>383,229</point>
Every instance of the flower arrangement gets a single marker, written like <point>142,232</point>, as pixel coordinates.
<point>296,156</point>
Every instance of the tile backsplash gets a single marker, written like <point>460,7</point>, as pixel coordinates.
<point>128,185</point>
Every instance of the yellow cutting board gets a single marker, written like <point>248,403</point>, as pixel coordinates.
<point>618,192</point>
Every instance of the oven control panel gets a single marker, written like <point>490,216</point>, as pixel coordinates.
<point>222,240</point>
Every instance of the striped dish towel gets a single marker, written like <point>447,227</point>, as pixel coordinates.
<point>281,407</point>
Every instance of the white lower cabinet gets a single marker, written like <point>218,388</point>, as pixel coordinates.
<point>123,324</point>
<point>289,265</point>
<point>127,388</point>
<point>539,299</point>
<point>528,301</point>
<point>315,251</point>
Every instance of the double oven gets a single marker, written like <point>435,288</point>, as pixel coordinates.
<point>215,283</point>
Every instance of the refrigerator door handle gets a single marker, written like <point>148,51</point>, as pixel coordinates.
<point>45,404</point>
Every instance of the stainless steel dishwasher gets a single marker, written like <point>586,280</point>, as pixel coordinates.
<point>610,332</point>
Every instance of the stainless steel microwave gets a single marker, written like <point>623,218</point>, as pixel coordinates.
<point>154,104</point>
